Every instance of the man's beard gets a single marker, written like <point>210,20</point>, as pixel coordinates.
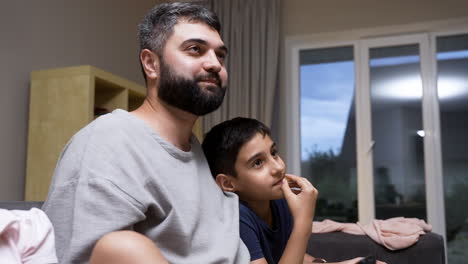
<point>186,94</point>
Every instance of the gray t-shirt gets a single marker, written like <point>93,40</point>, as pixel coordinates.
<point>117,173</point>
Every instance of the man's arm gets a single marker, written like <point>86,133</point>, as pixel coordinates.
<point>97,208</point>
<point>90,196</point>
<point>126,247</point>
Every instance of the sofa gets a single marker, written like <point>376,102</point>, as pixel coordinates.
<point>338,246</point>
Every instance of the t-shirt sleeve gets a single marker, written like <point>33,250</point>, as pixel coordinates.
<point>250,238</point>
<point>99,207</point>
<point>85,203</point>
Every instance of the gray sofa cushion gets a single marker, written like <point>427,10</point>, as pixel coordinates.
<point>338,246</point>
<point>20,205</point>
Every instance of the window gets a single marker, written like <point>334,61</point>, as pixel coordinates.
<point>328,144</point>
<point>379,125</point>
<point>452,86</point>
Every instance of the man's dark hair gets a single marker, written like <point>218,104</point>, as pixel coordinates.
<point>157,26</point>
<point>223,142</point>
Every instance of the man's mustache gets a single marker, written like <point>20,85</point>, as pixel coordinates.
<point>209,77</point>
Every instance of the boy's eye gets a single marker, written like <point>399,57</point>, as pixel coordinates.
<point>257,163</point>
<point>274,153</point>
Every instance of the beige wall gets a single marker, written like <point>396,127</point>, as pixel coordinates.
<point>56,33</point>
<point>302,17</point>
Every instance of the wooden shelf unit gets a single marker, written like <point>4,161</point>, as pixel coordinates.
<point>62,101</point>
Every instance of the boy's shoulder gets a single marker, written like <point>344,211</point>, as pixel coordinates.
<point>281,215</point>
<point>248,215</point>
<point>281,204</point>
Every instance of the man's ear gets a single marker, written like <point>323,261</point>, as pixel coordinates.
<point>150,62</point>
<point>225,182</point>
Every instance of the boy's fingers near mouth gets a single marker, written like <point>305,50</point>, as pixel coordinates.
<point>297,181</point>
<point>286,189</point>
<point>293,179</point>
<point>300,184</point>
<point>295,188</point>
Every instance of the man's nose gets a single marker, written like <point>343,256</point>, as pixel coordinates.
<point>212,63</point>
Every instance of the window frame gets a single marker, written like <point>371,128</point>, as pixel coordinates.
<point>426,33</point>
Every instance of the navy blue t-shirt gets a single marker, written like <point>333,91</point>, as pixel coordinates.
<point>261,240</point>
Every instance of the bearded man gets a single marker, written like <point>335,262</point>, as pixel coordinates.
<point>144,170</point>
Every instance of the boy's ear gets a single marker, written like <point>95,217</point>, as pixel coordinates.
<point>225,182</point>
<point>150,63</point>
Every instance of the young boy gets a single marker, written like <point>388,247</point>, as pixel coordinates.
<point>275,222</point>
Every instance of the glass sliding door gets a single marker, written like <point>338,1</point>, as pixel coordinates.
<point>392,85</point>
<point>452,86</point>
<point>327,126</point>
<point>397,129</point>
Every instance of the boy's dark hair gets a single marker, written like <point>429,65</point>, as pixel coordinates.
<point>158,25</point>
<point>223,142</point>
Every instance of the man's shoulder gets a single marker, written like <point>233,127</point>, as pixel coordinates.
<point>102,152</point>
<point>107,128</point>
<point>103,138</point>
<point>114,121</point>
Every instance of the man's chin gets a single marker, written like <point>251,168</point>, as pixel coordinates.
<point>203,110</point>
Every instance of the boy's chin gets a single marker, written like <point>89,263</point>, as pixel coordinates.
<point>277,196</point>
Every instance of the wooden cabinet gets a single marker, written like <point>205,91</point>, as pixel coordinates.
<point>62,101</point>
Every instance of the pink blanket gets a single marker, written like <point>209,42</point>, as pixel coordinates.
<point>394,233</point>
<point>26,237</point>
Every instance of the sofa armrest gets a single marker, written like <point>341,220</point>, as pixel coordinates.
<point>338,246</point>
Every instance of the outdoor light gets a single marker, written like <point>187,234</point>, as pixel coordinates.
<point>421,133</point>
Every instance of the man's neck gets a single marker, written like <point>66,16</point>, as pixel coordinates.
<point>172,124</point>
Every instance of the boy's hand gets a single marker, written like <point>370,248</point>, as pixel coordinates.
<point>301,205</point>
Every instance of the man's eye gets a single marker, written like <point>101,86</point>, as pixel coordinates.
<point>221,56</point>
<point>194,49</point>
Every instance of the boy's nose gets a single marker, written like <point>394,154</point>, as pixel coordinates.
<point>278,168</point>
